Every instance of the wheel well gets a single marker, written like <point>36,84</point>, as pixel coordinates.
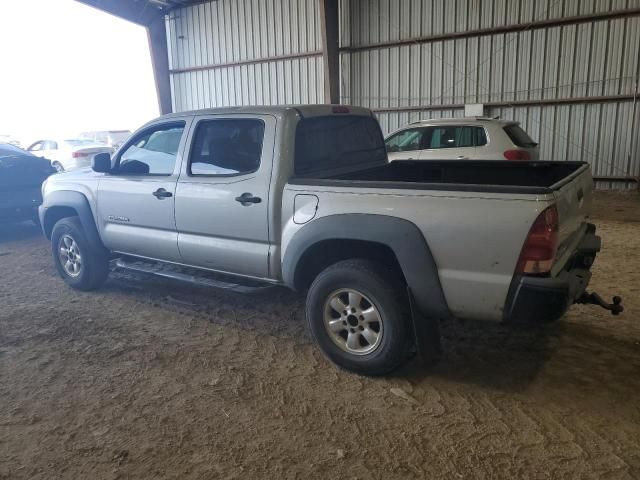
<point>327,252</point>
<point>54,214</point>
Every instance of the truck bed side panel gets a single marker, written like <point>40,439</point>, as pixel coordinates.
<point>475,239</point>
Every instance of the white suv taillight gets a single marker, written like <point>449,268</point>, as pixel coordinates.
<point>541,245</point>
<point>79,154</point>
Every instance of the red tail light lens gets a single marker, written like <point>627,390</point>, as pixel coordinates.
<point>79,154</point>
<point>517,155</point>
<point>541,245</point>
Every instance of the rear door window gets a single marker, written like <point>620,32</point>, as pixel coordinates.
<point>227,147</point>
<point>519,137</point>
<point>454,136</point>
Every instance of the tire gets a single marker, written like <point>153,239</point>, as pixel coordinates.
<point>58,166</point>
<point>347,340</point>
<point>89,265</point>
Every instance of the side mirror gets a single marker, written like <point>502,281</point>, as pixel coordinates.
<point>101,163</point>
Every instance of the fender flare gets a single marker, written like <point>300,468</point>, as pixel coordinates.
<point>76,201</point>
<point>403,237</point>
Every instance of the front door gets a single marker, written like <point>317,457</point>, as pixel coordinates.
<point>136,200</point>
<point>405,145</point>
<point>222,198</point>
<point>449,142</point>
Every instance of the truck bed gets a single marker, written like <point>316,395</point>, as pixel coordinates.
<point>459,175</point>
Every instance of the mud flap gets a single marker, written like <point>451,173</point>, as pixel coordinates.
<point>427,334</point>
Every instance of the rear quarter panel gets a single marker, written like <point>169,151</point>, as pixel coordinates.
<point>475,238</point>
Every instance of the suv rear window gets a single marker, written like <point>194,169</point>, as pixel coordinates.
<point>519,137</point>
<point>337,141</point>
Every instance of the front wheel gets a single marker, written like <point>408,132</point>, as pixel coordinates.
<point>80,264</point>
<point>359,318</point>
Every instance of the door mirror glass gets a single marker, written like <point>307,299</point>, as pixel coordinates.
<point>101,163</point>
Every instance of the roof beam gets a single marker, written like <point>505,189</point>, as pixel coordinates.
<point>140,12</point>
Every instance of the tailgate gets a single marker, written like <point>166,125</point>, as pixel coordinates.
<point>573,196</point>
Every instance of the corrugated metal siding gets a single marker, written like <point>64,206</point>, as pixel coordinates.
<point>212,35</point>
<point>589,59</point>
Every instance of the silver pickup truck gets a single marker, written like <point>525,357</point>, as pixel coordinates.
<point>304,196</point>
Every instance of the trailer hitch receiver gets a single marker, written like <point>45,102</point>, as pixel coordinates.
<point>593,298</point>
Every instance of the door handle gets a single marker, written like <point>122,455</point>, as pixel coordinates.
<point>461,157</point>
<point>162,193</point>
<point>247,199</point>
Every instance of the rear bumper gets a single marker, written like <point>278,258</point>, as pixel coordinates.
<point>545,299</point>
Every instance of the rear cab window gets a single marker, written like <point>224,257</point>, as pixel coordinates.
<point>519,137</point>
<point>344,142</point>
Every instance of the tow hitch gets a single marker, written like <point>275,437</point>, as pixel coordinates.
<point>593,298</point>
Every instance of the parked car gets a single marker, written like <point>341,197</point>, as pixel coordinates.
<point>68,154</point>
<point>473,138</point>
<point>305,197</point>
<point>21,177</point>
<point>112,138</point>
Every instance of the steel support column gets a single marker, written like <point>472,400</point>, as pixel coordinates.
<point>329,18</point>
<point>157,35</point>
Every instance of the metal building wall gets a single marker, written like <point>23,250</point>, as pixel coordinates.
<point>245,52</point>
<point>514,71</point>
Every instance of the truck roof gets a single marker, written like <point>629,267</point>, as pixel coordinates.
<point>278,110</point>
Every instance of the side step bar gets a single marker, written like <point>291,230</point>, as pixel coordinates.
<point>189,275</point>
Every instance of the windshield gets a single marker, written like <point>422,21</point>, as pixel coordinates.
<point>337,141</point>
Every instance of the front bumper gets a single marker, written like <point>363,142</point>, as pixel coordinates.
<point>545,299</point>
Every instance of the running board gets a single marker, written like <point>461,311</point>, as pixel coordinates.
<point>186,274</point>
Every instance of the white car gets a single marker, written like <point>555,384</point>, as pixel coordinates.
<point>112,138</point>
<point>471,138</point>
<point>68,154</point>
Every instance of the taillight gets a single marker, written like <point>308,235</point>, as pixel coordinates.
<point>541,245</point>
<point>79,154</point>
<point>517,155</point>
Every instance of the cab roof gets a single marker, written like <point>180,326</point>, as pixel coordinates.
<point>278,110</point>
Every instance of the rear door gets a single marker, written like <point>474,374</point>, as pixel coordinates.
<point>451,142</point>
<point>136,201</point>
<point>222,196</point>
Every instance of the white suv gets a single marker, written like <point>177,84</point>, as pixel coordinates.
<point>471,138</point>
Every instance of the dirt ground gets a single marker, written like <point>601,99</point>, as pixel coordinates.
<point>154,379</point>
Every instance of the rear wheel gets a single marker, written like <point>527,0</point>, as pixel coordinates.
<point>359,318</point>
<point>81,265</point>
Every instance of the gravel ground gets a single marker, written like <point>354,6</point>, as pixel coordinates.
<point>154,379</point>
